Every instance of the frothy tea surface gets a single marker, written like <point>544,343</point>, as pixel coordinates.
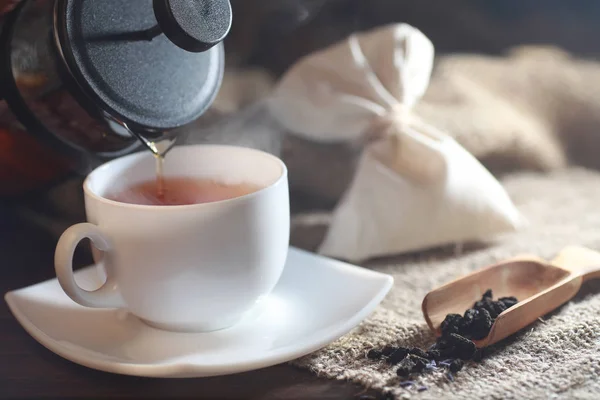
<point>176,191</point>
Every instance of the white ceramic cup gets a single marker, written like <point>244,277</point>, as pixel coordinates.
<point>184,268</point>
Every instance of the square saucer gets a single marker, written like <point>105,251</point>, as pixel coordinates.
<point>316,301</point>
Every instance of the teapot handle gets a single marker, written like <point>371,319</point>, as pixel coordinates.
<point>579,260</point>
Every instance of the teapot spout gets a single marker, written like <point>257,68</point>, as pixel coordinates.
<point>159,147</point>
<point>159,143</point>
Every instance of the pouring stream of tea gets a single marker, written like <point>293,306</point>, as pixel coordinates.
<point>159,150</point>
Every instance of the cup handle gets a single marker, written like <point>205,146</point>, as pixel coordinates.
<point>107,295</point>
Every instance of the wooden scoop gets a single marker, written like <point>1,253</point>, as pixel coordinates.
<point>540,287</point>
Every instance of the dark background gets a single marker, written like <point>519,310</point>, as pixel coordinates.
<point>275,33</point>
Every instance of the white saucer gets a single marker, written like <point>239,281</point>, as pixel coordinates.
<point>316,301</point>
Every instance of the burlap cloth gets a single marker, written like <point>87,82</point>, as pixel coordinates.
<point>558,357</point>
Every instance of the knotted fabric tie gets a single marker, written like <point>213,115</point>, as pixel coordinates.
<point>389,124</point>
<point>407,149</point>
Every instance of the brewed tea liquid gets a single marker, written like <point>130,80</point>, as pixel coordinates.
<point>174,191</point>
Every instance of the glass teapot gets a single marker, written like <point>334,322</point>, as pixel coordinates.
<point>83,81</point>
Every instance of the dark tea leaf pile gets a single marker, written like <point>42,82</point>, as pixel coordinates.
<point>453,347</point>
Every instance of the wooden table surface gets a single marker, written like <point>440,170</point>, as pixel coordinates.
<point>29,370</point>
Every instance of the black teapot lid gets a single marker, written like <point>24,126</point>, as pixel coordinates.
<point>154,65</point>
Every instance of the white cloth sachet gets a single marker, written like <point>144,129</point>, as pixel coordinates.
<point>414,187</point>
